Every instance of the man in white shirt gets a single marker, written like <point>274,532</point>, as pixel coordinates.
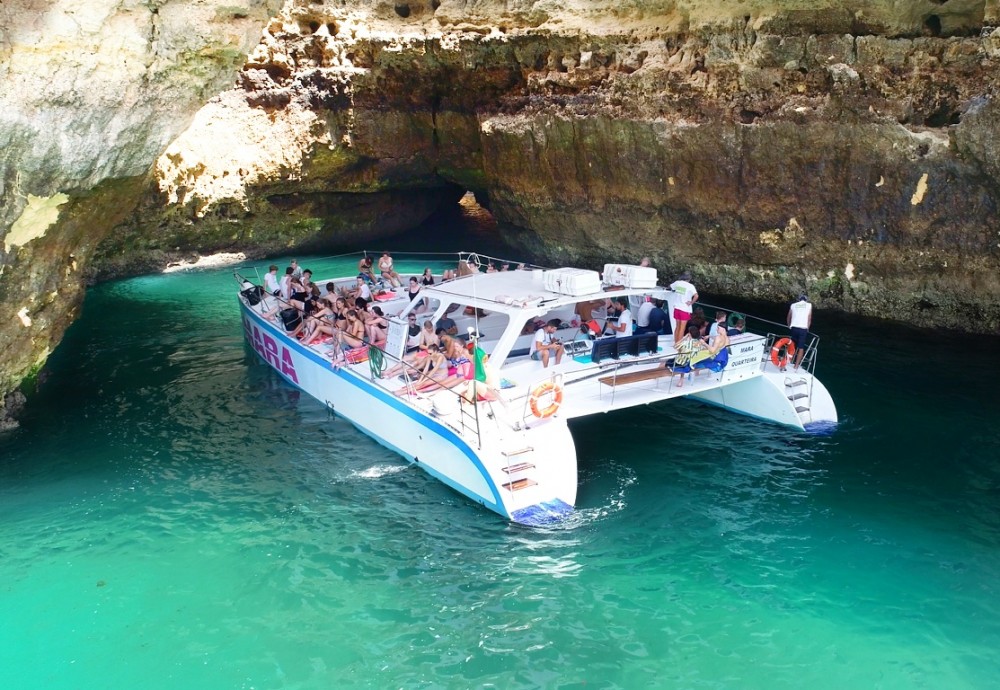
<point>799,321</point>
<point>623,327</point>
<point>362,290</point>
<point>642,315</point>
<point>285,286</point>
<point>271,285</point>
<point>682,306</point>
<point>543,345</point>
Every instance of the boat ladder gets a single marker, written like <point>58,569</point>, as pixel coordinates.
<point>516,472</point>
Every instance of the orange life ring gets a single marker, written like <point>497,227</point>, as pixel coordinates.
<point>782,351</point>
<point>542,389</point>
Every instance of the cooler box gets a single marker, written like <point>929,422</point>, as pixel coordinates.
<point>629,276</point>
<point>572,281</point>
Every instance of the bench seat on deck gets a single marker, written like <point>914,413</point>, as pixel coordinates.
<point>635,376</point>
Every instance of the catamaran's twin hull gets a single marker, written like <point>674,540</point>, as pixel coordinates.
<point>421,438</point>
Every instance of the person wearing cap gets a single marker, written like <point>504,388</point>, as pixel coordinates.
<point>687,296</point>
<point>799,321</point>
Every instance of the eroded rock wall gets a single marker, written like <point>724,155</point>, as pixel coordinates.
<point>848,149</point>
<point>91,92</point>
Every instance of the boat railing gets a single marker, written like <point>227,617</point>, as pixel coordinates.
<point>468,407</point>
<point>468,414</point>
<point>474,259</point>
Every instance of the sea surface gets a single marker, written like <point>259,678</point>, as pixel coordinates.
<point>173,515</point>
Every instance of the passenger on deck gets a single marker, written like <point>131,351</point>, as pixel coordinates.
<point>285,284</point>
<point>412,332</point>
<point>361,289</point>
<point>718,325</point>
<point>427,278</point>
<point>465,268</point>
<point>683,306</point>
<point>623,326</point>
<point>425,338</point>
<point>306,280</point>
<point>642,316</point>
<point>433,372</point>
<point>387,271</point>
<point>544,346</point>
<point>377,326</point>
<point>271,285</point>
<point>717,356</point>
<point>585,310</point>
<point>645,262</point>
<point>414,291</point>
<point>459,364</point>
<point>690,350</point>
<point>296,269</point>
<point>321,323</point>
<point>737,329</point>
<point>447,324</point>
<point>365,270</point>
<point>354,333</point>
<point>312,299</point>
<point>799,321</point>
<point>658,320</point>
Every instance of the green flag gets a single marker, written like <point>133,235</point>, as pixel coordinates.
<point>480,359</point>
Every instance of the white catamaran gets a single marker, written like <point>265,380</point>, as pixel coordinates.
<point>500,435</point>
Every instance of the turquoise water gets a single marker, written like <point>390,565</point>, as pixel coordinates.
<point>172,515</point>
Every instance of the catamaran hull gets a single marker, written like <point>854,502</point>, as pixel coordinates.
<point>547,461</point>
<point>772,397</point>
<point>437,449</point>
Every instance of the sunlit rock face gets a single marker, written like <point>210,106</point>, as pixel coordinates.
<point>848,149</point>
<point>91,92</point>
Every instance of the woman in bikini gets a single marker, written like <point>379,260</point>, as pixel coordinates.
<point>376,326</point>
<point>427,278</point>
<point>353,335</point>
<point>433,371</point>
<point>427,339</point>
<point>323,322</point>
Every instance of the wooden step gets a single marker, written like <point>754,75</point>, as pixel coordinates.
<point>522,451</point>
<point>798,396</point>
<point>519,484</point>
<point>635,376</point>
<point>519,467</point>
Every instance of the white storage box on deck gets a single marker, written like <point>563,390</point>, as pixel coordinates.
<point>629,276</point>
<point>572,281</point>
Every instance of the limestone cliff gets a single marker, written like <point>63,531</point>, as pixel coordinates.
<point>848,148</point>
<point>91,91</point>
<point>772,146</point>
